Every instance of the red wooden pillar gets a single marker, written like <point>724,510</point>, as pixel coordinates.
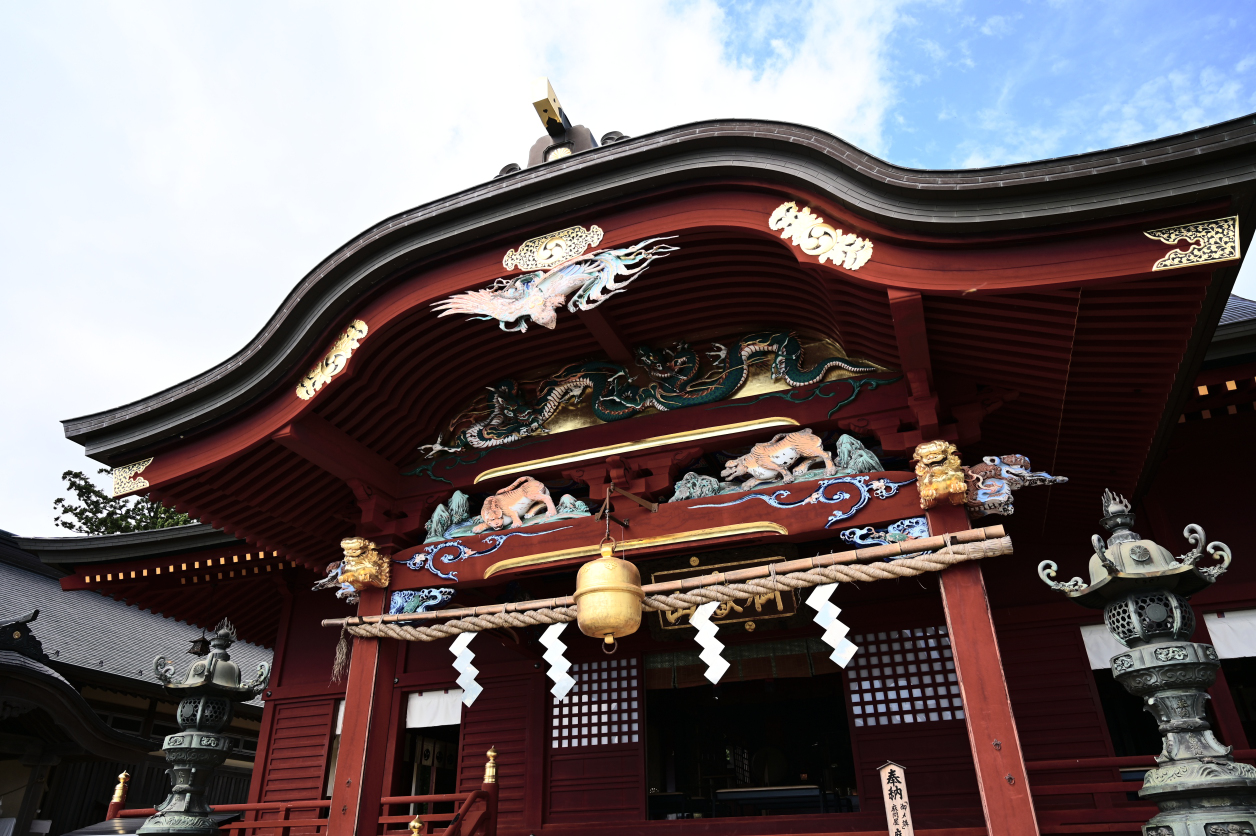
<point>365,735</point>
<point>1000,764</point>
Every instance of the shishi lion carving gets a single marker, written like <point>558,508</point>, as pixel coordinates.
<point>363,566</point>
<point>939,476</point>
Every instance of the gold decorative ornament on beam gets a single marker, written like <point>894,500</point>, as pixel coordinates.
<point>1211,241</point>
<point>127,479</point>
<point>939,476</point>
<point>808,231</point>
<point>544,251</point>
<point>335,361</point>
<point>364,565</point>
<point>640,543</point>
<point>633,446</point>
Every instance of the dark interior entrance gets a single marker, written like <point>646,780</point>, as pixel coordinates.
<point>431,765</point>
<point>759,747</point>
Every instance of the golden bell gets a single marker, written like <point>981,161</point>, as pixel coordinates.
<point>608,598</point>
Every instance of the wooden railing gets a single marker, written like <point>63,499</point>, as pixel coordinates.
<point>1111,809</point>
<point>280,826</point>
<point>476,813</point>
<point>475,816</point>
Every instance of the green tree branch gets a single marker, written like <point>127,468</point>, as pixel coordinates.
<point>99,513</point>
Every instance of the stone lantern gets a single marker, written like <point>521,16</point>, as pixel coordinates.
<point>1143,589</point>
<point>209,693</point>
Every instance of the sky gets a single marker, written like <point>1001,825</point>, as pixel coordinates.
<point>172,169</point>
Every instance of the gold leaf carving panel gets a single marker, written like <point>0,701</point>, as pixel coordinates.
<point>127,478</point>
<point>1210,241</point>
<point>335,361</point>
<point>544,251</point>
<point>808,232</point>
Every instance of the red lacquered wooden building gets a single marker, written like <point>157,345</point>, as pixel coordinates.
<point>640,313</point>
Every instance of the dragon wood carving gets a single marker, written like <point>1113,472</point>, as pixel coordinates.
<point>678,378</point>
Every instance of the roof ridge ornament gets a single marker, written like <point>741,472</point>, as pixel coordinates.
<point>808,231</point>
<point>1211,241</point>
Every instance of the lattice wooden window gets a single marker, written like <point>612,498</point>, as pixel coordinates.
<point>904,676</point>
<point>603,708</point>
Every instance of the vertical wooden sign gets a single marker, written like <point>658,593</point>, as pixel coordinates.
<point>894,791</point>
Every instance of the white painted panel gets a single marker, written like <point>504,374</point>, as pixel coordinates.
<point>1233,634</point>
<point>1100,646</point>
<point>434,708</point>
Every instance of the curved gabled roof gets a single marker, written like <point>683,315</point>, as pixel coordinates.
<point>1209,164</point>
<point>98,548</point>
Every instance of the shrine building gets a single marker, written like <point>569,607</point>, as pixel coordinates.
<point>702,473</point>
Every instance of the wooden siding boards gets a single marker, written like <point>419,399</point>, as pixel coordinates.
<point>596,784</point>
<point>1053,693</point>
<point>296,759</point>
<point>506,716</point>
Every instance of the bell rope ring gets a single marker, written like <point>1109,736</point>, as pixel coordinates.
<point>608,597</point>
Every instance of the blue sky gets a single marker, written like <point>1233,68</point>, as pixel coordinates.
<point>172,169</point>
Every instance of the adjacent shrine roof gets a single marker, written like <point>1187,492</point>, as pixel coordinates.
<point>89,630</point>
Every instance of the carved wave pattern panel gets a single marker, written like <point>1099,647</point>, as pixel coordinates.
<point>905,676</point>
<point>602,708</point>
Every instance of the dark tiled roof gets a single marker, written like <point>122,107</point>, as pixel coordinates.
<point>1238,309</point>
<point>17,660</point>
<point>88,630</point>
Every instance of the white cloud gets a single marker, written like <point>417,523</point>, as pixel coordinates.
<point>175,169</point>
<point>933,49</point>
<point>1171,103</point>
<point>997,25</point>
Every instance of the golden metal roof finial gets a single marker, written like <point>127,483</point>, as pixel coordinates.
<point>416,826</point>
<point>549,108</point>
<point>120,791</point>
<point>490,768</point>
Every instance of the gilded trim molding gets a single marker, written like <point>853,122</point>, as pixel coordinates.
<point>545,251</point>
<point>630,446</point>
<point>642,543</point>
<point>335,361</point>
<point>127,479</point>
<point>808,231</point>
<point>1213,241</point>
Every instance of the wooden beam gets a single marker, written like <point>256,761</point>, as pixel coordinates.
<point>908,312</point>
<point>1000,764</point>
<point>317,441</point>
<point>607,337</point>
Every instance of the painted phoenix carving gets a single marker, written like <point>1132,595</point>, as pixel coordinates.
<point>581,283</point>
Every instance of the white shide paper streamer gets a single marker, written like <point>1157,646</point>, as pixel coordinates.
<point>834,630</point>
<point>466,671</point>
<point>711,647</point>
<point>558,665</point>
